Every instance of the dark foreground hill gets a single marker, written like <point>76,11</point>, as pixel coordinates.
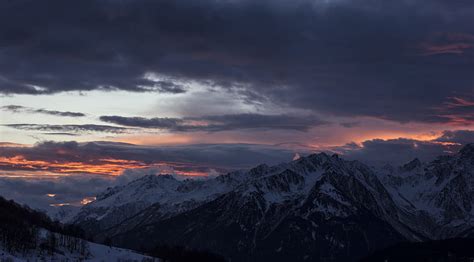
<point>29,235</point>
<point>449,250</point>
<point>20,227</point>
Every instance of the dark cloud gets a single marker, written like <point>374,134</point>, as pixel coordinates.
<point>59,113</point>
<point>161,123</point>
<point>350,124</point>
<point>459,136</point>
<point>396,60</point>
<point>220,122</point>
<point>70,128</point>
<point>395,151</point>
<point>18,109</point>
<point>402,150</point>
<point>247,121</point>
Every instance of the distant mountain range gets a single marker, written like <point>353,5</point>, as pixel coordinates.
<point>315,208</point>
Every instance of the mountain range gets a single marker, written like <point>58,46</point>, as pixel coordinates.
<point>315,208</point>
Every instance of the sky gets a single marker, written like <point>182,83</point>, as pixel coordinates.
<point>93,91</point>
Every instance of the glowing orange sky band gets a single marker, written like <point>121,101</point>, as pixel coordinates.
<point>103,167</point>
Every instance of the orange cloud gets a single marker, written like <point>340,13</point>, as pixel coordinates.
<point>111,167</point>
<point>103,167</point>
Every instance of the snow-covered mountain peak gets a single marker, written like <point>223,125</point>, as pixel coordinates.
<point>318,159</point>
<point>317,162</point>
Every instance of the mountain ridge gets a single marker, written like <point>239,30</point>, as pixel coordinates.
<point>336,201</point>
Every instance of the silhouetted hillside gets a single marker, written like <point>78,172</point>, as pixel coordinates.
<point>20,228</point>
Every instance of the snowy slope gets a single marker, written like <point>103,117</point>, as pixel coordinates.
<point>440,193</point>
<point>93,252</point>
<point>169,195</point>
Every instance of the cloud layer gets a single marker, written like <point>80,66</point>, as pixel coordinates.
<point>112,158</point>
<point>220,122</point>
<point>402,150</point>
<point>396,60</point>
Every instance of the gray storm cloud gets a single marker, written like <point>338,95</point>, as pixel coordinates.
<point>395,60</point>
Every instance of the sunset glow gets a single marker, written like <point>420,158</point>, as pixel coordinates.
<point>105,166</point>
<point>111,167</point>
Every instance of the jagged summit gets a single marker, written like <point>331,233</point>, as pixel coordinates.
<point>318,156</point>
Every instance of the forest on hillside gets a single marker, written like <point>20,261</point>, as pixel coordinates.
<point>23,230</point>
